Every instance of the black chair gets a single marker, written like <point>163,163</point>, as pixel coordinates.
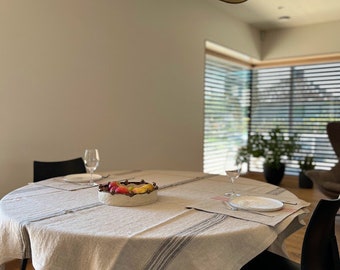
<point>48,169</point>
<point>328,182</point>
<point>319,248</point>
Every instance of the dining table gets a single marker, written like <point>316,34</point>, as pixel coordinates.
<point>63,225</point>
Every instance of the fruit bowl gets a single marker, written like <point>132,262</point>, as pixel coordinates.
<point>127,193</point>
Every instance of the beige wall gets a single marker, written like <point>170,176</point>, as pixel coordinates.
<point>303,41</point>
<point>125,76</point>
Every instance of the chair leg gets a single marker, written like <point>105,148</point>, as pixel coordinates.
<point>23,264</point>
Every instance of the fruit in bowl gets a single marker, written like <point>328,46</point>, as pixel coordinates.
<point>127,193</point>
<point>128,188</point>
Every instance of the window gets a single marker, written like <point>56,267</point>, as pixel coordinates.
<point>299,99</point>
<point>226,110</point>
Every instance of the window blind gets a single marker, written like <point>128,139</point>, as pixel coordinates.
<point>226,111</point>
<point>299,99</point>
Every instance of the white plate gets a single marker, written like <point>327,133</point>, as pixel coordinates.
<point>255,203</point>
<point>81,178</point>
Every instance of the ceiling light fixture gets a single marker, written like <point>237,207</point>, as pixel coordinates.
<point>284,18</point>
<point>233,1</point>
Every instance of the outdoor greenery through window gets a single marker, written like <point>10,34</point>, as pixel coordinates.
<point>226,107</point>
<point>298,99</point>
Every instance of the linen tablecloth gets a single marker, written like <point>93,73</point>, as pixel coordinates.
<point>69,229</point>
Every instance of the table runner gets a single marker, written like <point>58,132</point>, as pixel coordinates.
<point>164,179</point>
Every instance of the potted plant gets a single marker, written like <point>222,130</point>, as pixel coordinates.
<point>273,148</point>
<point>305,165</point>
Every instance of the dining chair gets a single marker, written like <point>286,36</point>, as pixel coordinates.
<point>319,248</point>
<point>328,182</point>
<point>47,169</point>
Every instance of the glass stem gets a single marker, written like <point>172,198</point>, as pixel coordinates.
<point>232,186</point>
<point>91,180</point>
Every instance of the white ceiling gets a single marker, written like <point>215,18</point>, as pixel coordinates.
<point>265,14</point>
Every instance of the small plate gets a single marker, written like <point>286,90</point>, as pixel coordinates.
<point>255,203</point>
<point>81,178</point>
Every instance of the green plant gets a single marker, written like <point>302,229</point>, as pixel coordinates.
<point>307,163</point>
<point>271,147</point>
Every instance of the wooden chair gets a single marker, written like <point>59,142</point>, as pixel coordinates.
<point>47,169</point>
<point>319,248</point>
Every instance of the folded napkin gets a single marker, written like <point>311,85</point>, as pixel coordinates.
<point>272,218</point>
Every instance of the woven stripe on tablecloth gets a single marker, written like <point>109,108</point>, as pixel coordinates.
<point>172,246</point>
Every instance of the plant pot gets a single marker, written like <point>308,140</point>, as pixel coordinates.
<point>304,181</point>
<point>274,175</point>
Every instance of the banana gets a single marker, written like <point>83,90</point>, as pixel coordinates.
<point>149,187</point>
<point>140,190</point>
<point>143,189</point>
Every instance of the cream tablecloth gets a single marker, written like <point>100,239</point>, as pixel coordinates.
<point>63,226</point>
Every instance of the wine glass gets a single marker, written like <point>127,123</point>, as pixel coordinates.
<point>91,161</point>
<point>232,169</point>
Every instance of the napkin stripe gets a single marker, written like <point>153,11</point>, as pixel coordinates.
<point>172,246</point>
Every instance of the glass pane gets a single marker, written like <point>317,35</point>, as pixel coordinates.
<point>226,107</point>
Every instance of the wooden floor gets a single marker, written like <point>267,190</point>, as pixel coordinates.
<point>293,243</point>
